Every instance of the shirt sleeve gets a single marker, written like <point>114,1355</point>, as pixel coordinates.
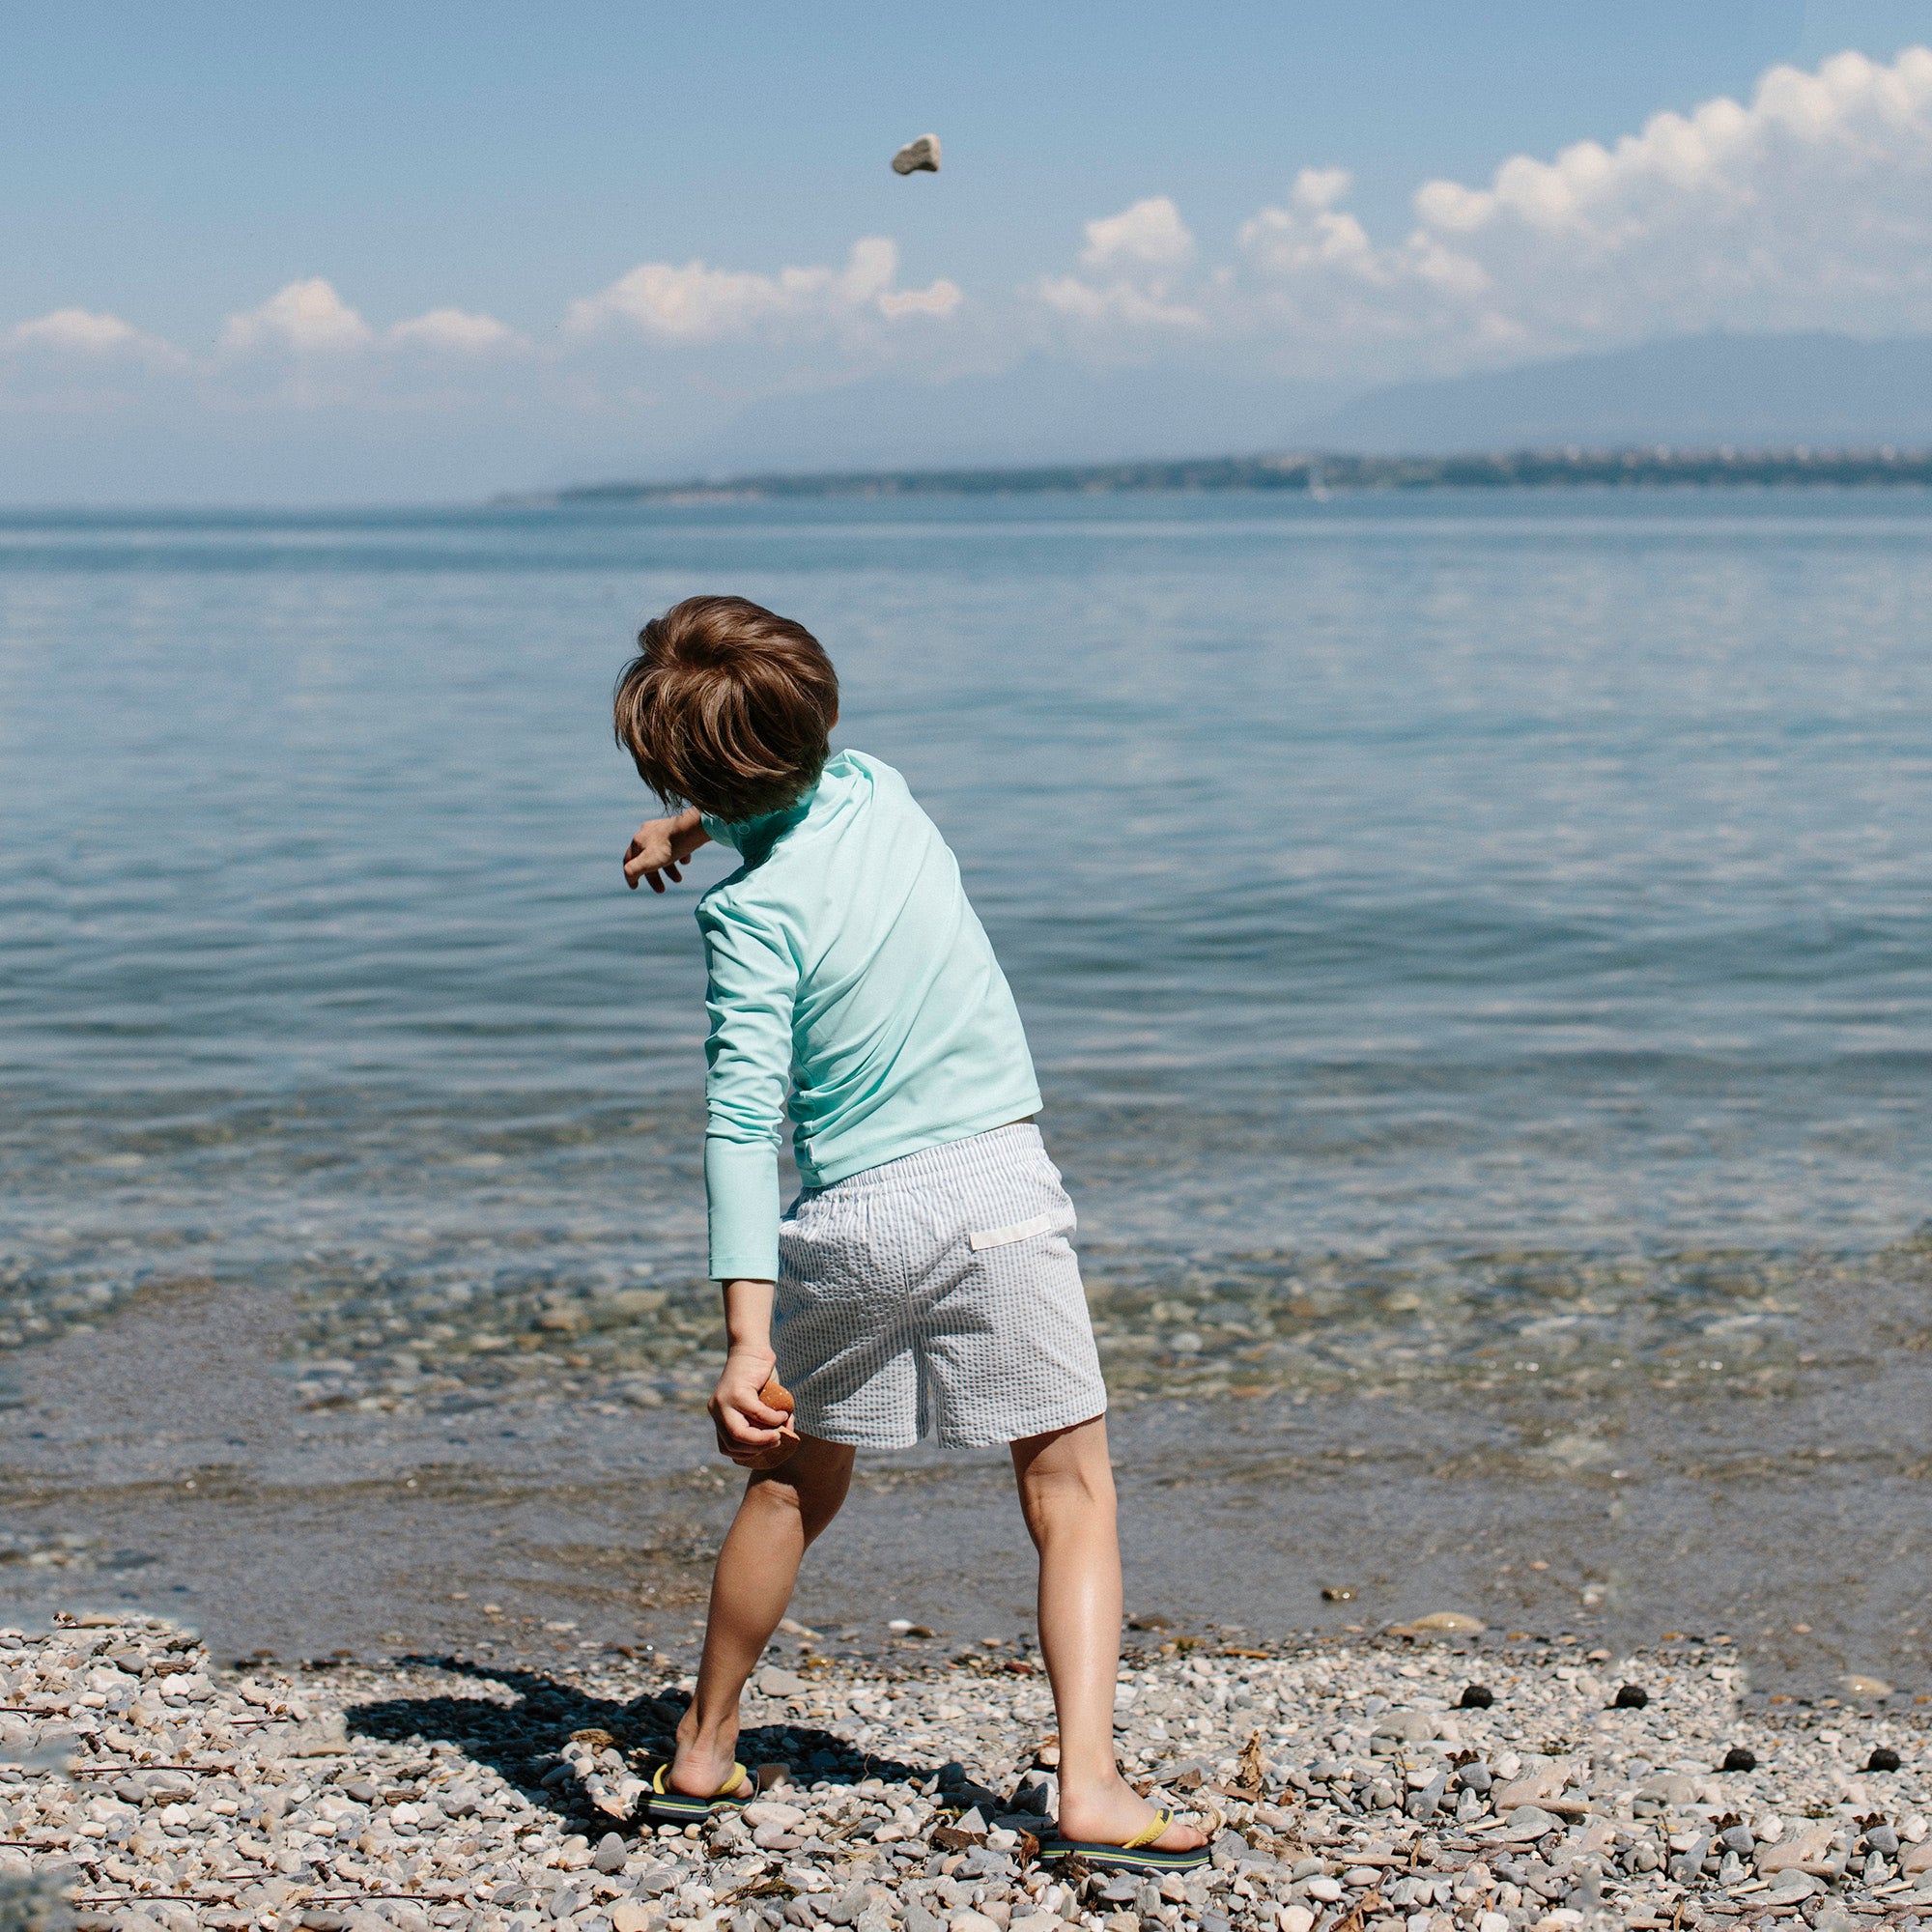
<point>753,981</point>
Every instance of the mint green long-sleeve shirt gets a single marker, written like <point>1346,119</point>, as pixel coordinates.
<point>852,985</point>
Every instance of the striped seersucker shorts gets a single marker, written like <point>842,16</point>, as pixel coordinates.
<point>937,1290</point>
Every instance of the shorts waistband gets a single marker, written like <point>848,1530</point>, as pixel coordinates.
<point>977,1153</point>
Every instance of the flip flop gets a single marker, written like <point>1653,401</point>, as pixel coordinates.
<point>665,1807</point>
<point>1136,1855</point>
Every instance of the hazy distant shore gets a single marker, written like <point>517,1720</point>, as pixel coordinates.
<point>1314,473</point>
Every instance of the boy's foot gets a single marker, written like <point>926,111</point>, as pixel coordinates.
<point>1114,1814</point>
<point>700,1770</point>
<point>662,1806</point>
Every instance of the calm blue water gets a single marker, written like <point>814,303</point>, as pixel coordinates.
<point>1421,908</point>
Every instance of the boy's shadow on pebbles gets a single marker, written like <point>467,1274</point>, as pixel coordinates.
<point>521,1742</point>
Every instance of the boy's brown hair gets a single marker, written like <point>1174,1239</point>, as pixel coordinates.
<point>727,706</point>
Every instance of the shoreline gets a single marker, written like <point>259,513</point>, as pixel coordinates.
<point>168,1464</point>
<point>1317,474</point>
<point>1342,1782</point>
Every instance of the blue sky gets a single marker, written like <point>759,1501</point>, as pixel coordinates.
<point>167,174</point>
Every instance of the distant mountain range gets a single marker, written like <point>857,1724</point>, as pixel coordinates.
<point>1705,391</point>
<point>1094,430</point>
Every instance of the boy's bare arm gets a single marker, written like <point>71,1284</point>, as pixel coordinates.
<point>659,848</point>
<point>750,1430</point>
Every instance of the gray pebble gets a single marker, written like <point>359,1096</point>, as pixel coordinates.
<point>1413,1725</point>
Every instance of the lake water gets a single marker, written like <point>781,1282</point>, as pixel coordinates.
<point>1455,932</point>
<point>1476,950</point>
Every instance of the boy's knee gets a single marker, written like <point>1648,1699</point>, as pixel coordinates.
<point>1079,1486</point>
<point>1082,1486</point>
<point>808,1487</point>
<point>769,1490</point>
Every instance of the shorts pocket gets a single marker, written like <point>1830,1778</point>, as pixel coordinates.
<point>1020,1230</point>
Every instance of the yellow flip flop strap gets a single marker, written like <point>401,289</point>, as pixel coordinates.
<point>724,1790</point>
<point>1161,1821</point>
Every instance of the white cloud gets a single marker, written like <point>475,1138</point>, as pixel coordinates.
<point>78,330</point>
<point>310,318</point>
<point>1119,302</point>
<point>939,298</point>
<point>1811,207</point>
<point>1317,188</point>
<point>307,317</point>
<point>699,305</point>
<point>77,360</point>
<point>1311,232</point>
<point>1144,247</point>
<point>306,348</point>
<point>457,331</point>
<point>1149,235</point>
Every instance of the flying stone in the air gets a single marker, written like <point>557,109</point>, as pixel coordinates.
<point>920,156</point>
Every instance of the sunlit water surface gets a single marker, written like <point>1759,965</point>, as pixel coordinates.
<point>1461,938</point>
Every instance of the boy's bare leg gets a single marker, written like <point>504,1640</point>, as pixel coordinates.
<point>782,1512</point>
<point>1066,1491</point>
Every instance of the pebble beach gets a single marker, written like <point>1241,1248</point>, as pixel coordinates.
<point>1420,1778</point>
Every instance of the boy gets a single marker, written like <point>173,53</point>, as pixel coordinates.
<point>924,1274</point>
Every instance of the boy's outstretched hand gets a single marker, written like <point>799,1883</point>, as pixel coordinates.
<point>753,1433</point>
<point>659,848</point>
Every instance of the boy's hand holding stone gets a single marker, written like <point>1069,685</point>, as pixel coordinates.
<point>755,1432</point>
<point>660,846</point>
